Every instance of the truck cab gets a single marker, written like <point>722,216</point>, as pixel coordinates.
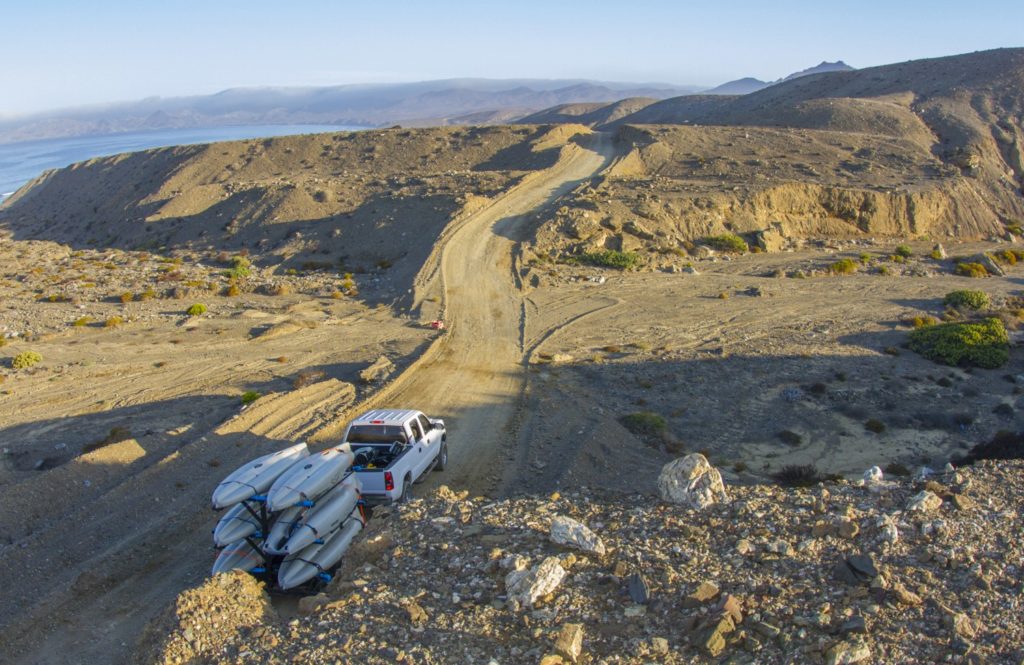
<point>392,449</point>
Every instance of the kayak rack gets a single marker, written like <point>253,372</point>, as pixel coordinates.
<point>267,572</point>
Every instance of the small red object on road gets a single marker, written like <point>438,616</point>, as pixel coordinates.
<point>437,325</point>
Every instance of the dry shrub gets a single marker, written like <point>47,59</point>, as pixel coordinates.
<point>308,377</point>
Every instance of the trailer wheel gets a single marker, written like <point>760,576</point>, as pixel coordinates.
<point>406,490</point>
<point>442,458</point>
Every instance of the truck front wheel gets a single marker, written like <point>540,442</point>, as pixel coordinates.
<point>442,458</point>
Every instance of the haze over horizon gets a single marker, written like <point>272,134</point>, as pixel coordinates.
<point>60,54</point>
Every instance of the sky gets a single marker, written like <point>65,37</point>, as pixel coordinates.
<point>64,53</point>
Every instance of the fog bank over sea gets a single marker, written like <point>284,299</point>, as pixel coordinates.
<point>20,162</point>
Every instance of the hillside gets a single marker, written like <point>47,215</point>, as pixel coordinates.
<point>930,147</point>
<point>328,201</point>
<point>835,573</point>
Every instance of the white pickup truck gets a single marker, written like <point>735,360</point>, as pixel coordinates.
<point>393,448</point>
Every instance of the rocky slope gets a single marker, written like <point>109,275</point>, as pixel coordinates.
<point>359,202</point>
<point>869,571</point>
<point>923,148</point>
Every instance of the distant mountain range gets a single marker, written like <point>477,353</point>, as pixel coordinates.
<point>452,101</point>
<point>444,102</point>
<point>745,86</point>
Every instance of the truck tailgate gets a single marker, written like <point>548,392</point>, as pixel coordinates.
<point>372,481</point>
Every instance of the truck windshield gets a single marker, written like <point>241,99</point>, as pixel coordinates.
<point>376,434</point>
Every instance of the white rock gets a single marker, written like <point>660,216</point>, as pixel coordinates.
<point>924,502</point>
<point>923,473</point>
<point>887,530</point>
<point>525,587</point>
<point>873,475</point>
<point>567,531</point>
<point>691,481</point>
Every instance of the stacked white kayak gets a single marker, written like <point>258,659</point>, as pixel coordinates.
<point>290,510</point>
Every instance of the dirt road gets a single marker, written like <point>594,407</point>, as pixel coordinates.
<point>87,579</point>
<point>476,376</point>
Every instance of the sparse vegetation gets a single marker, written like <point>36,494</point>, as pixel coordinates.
<point>983,343</point>
<point>26,359</point>
<point>798,475</point>
<point>113,322</point>
<point>240,267</point>
<point>82,321</point>
<point>116,435</point>
<point>896,469</point>
<point>232,290</point>
<point>936,254</point>
<point>645,423</point>
<point>250,396</point>
<point>843,267</point>
<point>874,425</point>
<point>1003,445</point>
<point>196,309</point>
<point>611,258</point>
<point>727,242</point>
<point>126,297</point>
<point>308,377</point>
<point>790,438</point>
<point>922,321</point>
<point>967,299</point>
<point>903,251</point>
<point>975,270</point>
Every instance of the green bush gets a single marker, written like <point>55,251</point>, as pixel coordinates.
<point>611,258</point>
<point>25,359</point>
<point>982,344</point>
<point>196,309</point>
<point>727,242</point>
<point>250,396</point>
<point>971,270</point>
<point>904,251</point>
<point>843,267</point>
<point>966,299</point>
<point>645,423</point>
<point>240,267</point>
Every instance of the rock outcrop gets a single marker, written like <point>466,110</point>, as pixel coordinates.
<point>691,481</point>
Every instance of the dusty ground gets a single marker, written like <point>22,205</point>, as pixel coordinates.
<point>538,364</point>
<point>428,584</point>
<point>817,356</point>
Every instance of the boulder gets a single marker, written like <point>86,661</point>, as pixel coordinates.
<point>847,652</point>
<point>569,643</point>
<point>526,586</point>
<point>691,481</point>
<point>873,475</point>
<point>988,262</point>
<point>771,239</point>
<point>567,531</point>
<point>924,502</point>
<point>378,371</point>
<point>940,251</point>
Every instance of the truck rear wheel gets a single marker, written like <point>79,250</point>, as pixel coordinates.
<point>406,490</point>
<point>442,458</point>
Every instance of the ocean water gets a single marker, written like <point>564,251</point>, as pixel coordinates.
<point>20,162</point>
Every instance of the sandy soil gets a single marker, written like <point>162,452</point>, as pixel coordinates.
<point>537,367</point>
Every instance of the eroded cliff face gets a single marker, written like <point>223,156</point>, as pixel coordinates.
<point>674,186</point>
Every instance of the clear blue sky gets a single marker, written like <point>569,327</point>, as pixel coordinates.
<point>57,53</point>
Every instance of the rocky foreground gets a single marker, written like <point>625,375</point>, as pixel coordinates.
<point>913,571</point>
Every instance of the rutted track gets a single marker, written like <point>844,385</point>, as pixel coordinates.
<point>87,595</point>
<point>475,375</point>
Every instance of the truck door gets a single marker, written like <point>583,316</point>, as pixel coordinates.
<point>419,452</point>
<point>431,436</point>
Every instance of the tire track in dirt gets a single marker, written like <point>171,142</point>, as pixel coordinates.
<point>104,582</point>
